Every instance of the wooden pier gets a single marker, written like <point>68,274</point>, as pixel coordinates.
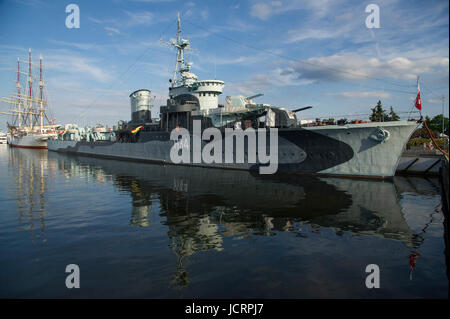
<point>420,162</point>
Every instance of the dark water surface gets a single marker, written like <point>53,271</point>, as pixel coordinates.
<point>141,230</point>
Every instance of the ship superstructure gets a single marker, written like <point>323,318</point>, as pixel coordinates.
<point>186,82</point>
<point>27,129</point>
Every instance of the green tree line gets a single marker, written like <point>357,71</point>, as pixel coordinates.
<point>435,123</point>
<point>435,126</point>
<point>380,115</point>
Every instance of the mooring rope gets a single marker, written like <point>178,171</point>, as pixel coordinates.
<point>432,139</point>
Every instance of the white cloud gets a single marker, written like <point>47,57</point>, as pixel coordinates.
<point>434,101</point>
<point>316,8</point>
<point>74,65</point>
<point>78,45</point>
<point>140,18</point>
<point>372,94</point>
<point>247,60</point>
<point>151,1</point>
<point>261,82</point>
<point>157,69</point>
<point>261,11</point>
<point>32,3</point>
<point>352,67</point>
<point>112,30</point>
<point>102,21</point>
<point>300,35</point>
<point>205,14</point>
<point>131,19</point>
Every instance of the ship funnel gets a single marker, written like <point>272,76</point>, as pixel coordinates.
<point>140,106</point>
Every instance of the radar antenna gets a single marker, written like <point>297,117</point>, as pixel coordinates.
<point>181,64</point>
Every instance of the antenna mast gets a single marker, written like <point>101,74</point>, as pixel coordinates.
<point>179,28</point>
<point>181,45</point>
<point>177,44</point>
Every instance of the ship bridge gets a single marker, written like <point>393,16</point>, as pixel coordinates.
<point>207,92</point>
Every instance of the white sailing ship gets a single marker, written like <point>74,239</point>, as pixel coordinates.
<point>27,129</point>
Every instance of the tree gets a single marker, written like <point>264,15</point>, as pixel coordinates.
<point>424,132</point>
<point>378,113</point>
<point>435,124</point>
<point>393,116</point>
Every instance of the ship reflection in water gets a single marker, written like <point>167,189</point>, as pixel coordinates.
<point>141,230</point>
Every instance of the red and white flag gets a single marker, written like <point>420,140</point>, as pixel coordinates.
<point>418,104</point>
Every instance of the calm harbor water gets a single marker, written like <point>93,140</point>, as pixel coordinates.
<point>146,231</point>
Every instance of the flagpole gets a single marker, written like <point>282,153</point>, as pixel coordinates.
<point>418,92</point>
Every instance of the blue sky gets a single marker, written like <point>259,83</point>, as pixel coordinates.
<point>297,53</point>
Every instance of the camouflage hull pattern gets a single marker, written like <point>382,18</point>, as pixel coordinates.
<point>353,150</point>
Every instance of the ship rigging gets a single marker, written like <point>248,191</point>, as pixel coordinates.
<point>29,112</point>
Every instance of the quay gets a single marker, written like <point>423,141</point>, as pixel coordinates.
<point>416,161</point>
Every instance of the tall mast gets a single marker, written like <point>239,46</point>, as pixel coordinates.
<point>179,28</point>
<point>179,51</point>
<point>41,85</point>
<point>29,85</point>
<point>19,115</point>
<point>181,45</point>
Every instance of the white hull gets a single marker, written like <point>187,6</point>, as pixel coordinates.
<point>38,141</point>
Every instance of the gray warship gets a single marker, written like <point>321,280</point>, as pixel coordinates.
<point>369,150</point>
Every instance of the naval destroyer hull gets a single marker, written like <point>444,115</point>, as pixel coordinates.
<point>352,150</point>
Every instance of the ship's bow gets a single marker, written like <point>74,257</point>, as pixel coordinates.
<point>377,147</point>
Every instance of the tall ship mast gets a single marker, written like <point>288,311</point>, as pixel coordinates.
<point>27,129</point>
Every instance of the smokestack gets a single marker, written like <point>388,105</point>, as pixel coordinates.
<point>140,106</point>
